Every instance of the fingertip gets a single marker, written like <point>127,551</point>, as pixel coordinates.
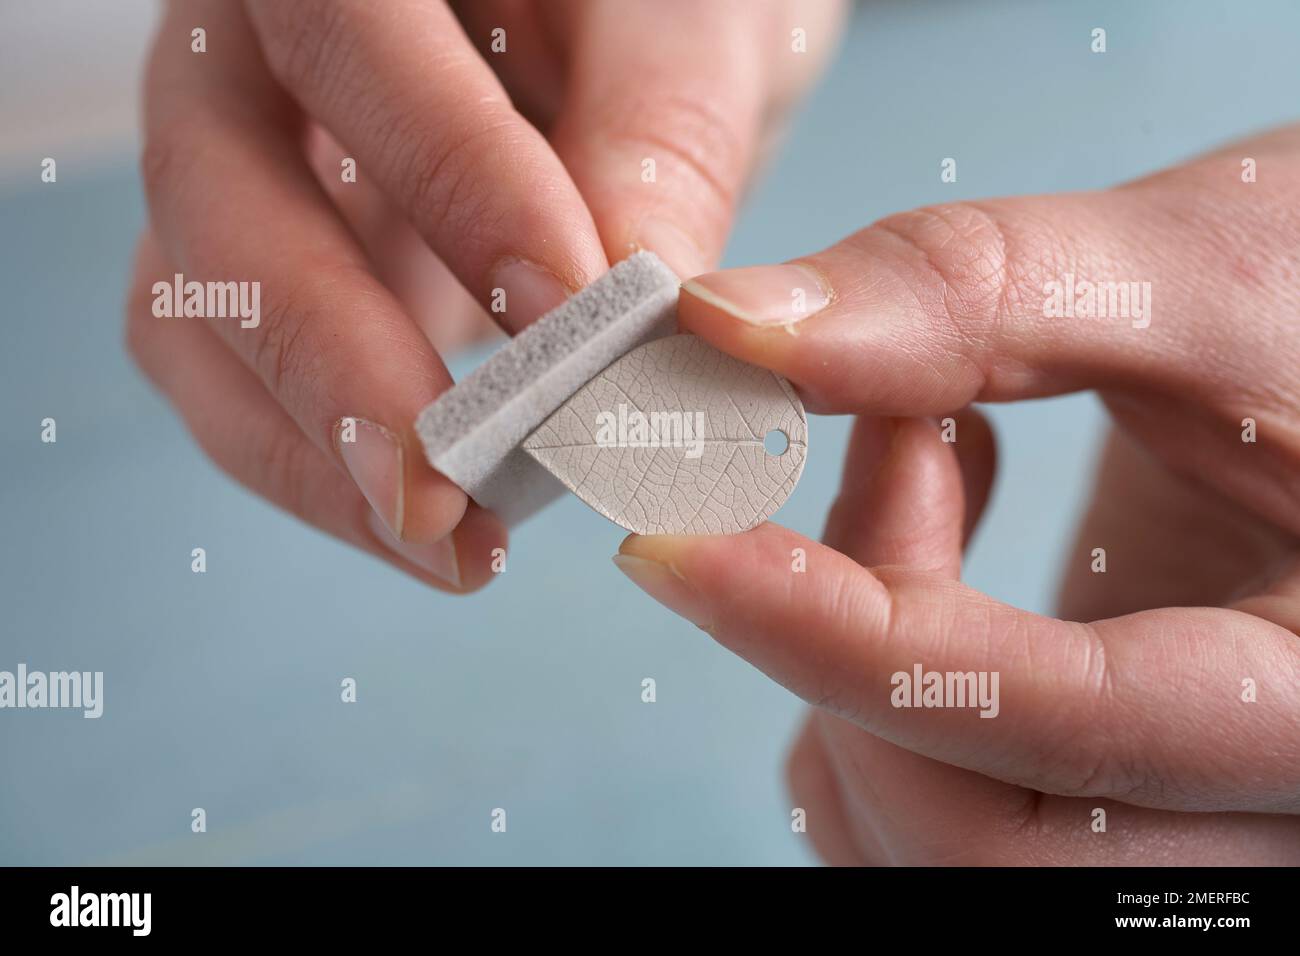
<point>671,243</point>
<point>523,291</point>
<point>481,542</point>
<point>901,499</point>
<point>789,606</point>
<point>775,345</point>
<point>726,580</point>
<point>977,456</point>
<point>653,569</point>
<point>461,561</point>
<point>433,505</point>
<point>781,295</point>
<point>715,557</point>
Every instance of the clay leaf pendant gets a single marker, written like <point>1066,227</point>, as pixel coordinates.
<point>670,439</point>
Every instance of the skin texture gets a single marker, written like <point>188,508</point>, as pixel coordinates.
<point>476,171</point>
<point>1131,701</point>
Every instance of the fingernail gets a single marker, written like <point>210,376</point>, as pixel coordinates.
<point>373,457</point>
<point>764,295</point>
<point>665,584</point>
<point>529,292</point>
<point>670,244</point>
<point>438,557</point>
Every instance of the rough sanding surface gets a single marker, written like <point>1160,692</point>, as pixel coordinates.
<point>472,432</point>
<point>670,440</point>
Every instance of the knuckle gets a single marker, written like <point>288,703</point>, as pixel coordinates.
<point>167,162</point>
<point>291,354</point>
<point>696,136</point>
<point>1089,764</point>
<point>284,471</point>
<point>282,355</point>
<point>438,168</point>
<point>305,44</point>
<point>1089,755</point>
<point>163,164</point>
<point>976,276</point>
<point>271,462</point>
<point>158,158</point>
<point>961,251</point>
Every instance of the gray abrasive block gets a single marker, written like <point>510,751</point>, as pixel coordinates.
<point>472,432</point>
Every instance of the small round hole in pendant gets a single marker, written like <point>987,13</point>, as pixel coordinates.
<point>776,442</point>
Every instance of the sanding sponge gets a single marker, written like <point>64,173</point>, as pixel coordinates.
<point>472,432</point>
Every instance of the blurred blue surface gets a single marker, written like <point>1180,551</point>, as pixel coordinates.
<point>222,689</point>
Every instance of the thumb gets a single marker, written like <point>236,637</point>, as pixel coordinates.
<point>1174,296</point>
<point>931,309</point>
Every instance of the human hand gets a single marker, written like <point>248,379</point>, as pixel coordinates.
<point>312,404</point>
<point>1169,694</point>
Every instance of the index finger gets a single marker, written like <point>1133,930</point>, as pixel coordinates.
<point>400,86</point>
<point>1145,708</point>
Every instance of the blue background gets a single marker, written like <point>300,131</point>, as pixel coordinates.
<point>222,689</point>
